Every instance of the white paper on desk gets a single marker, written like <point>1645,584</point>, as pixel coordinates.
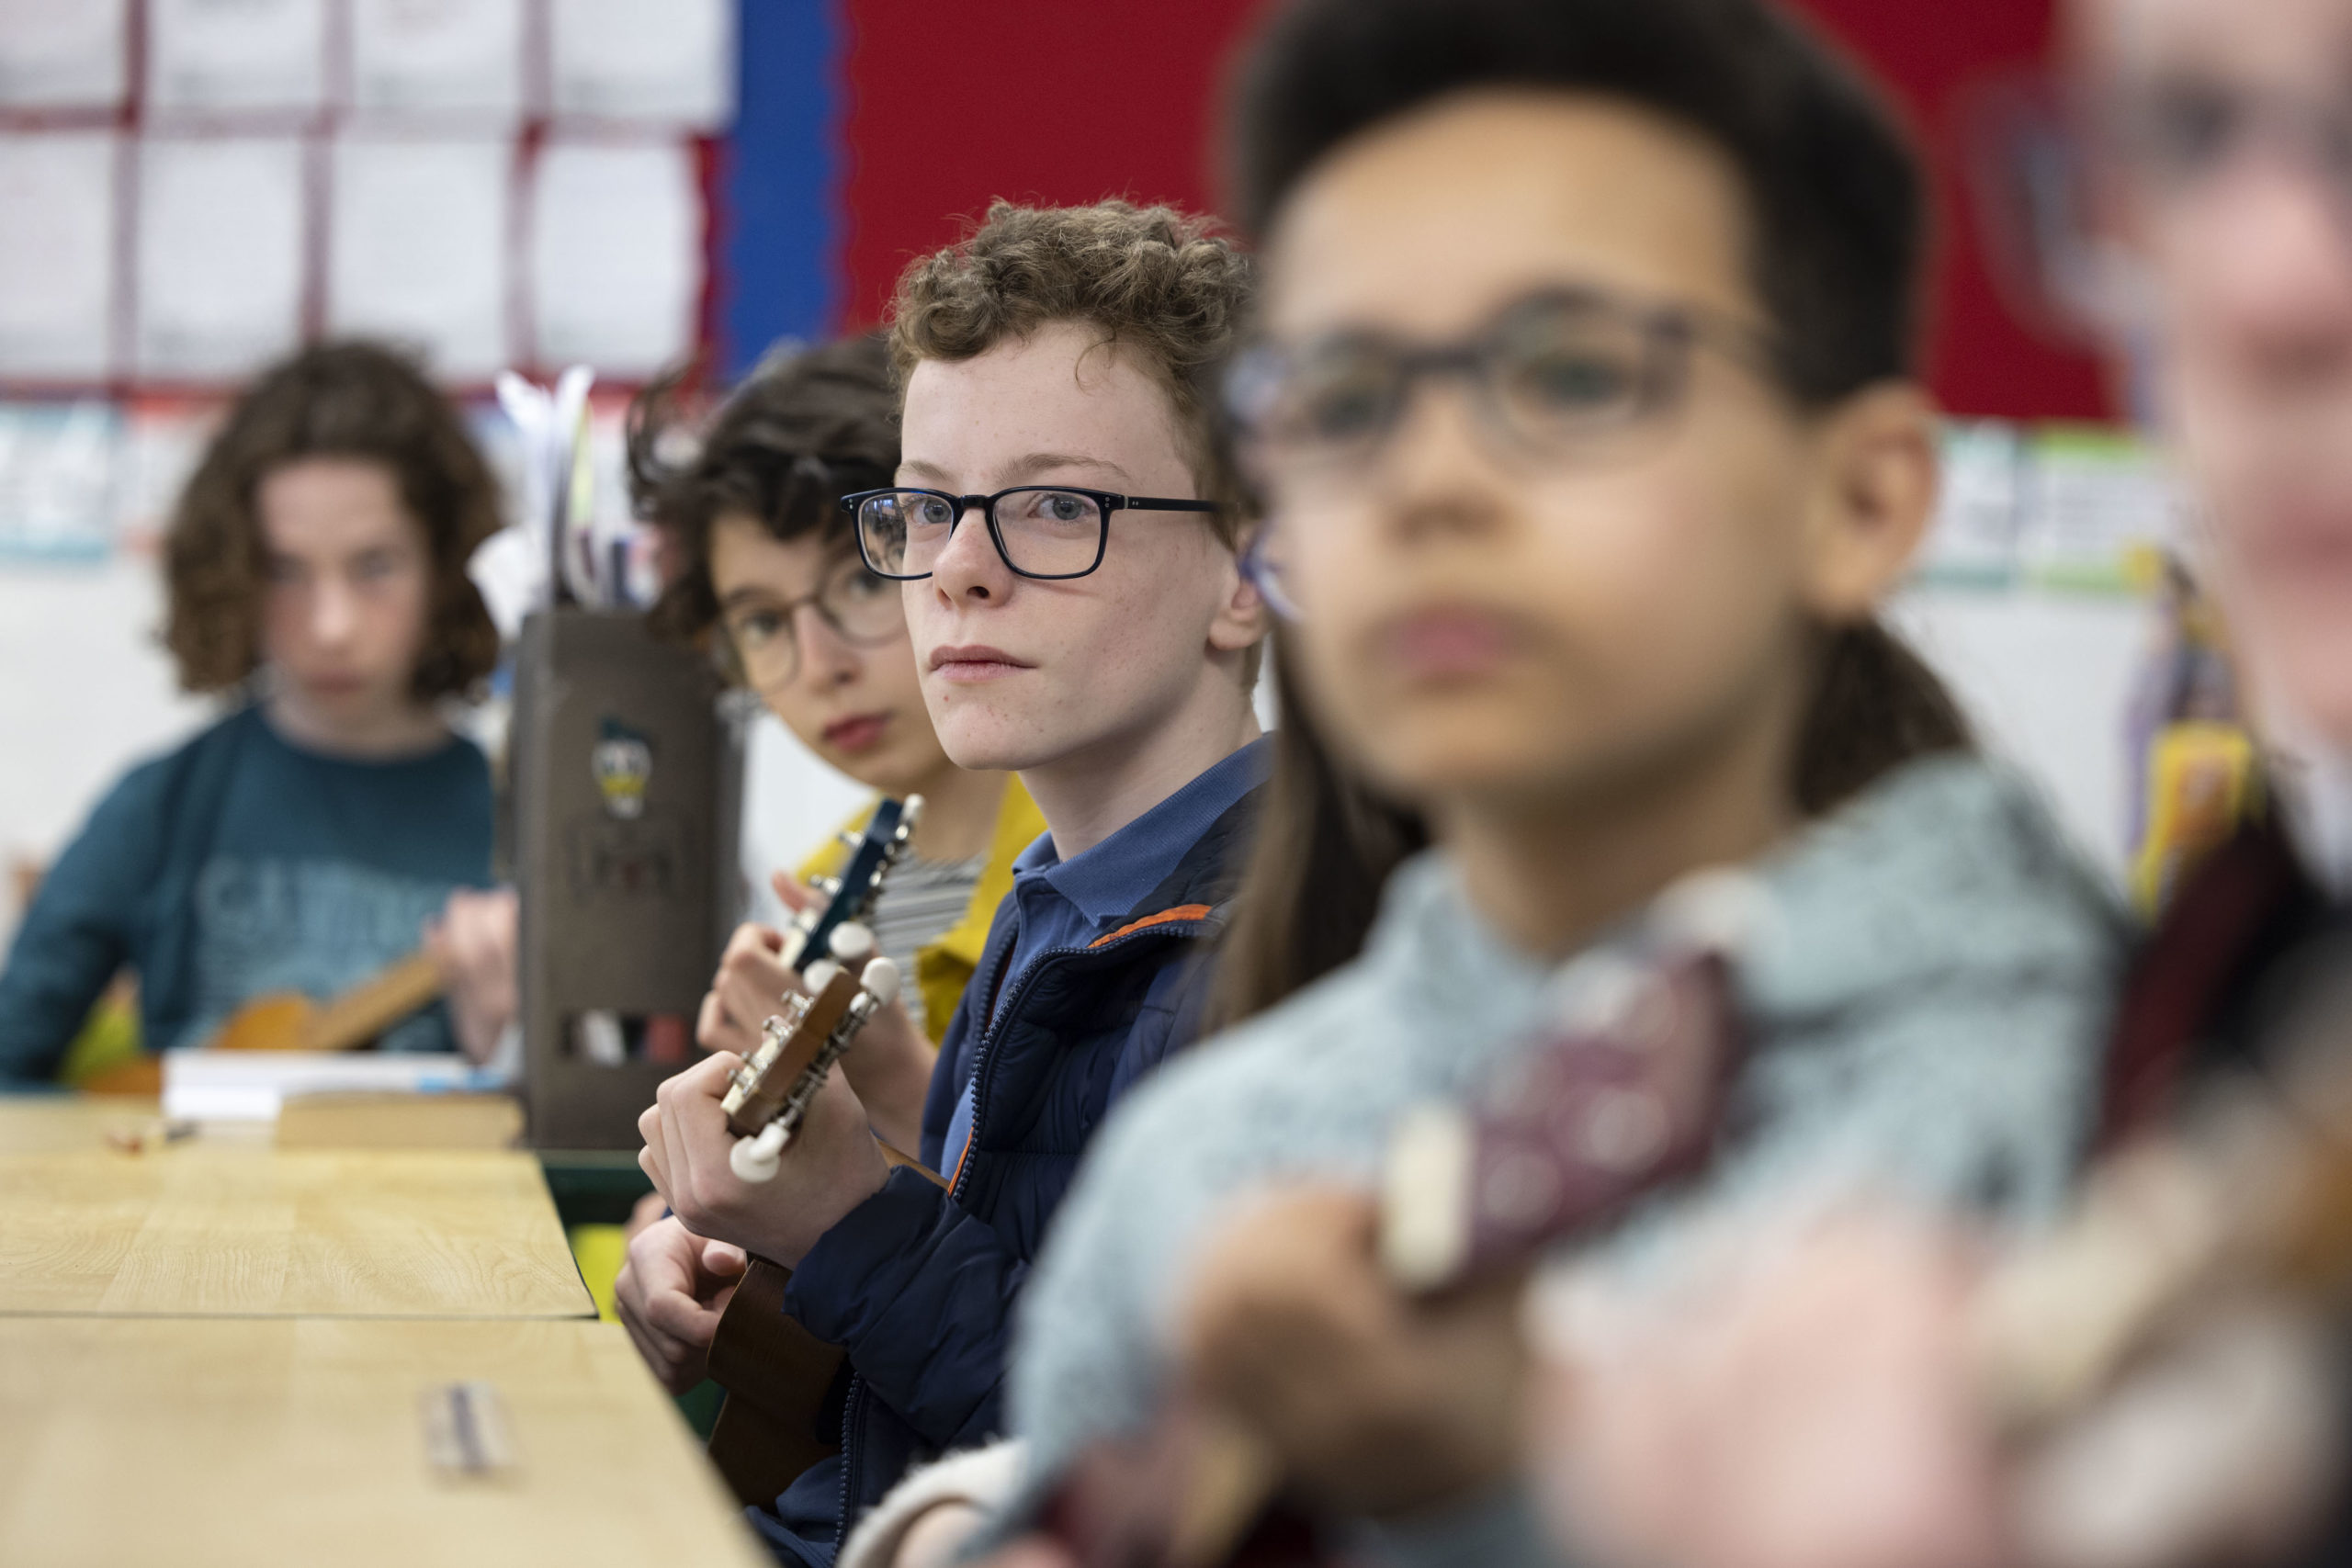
<point>616,255</point>
<point>205,55</point>
<point>416,247</point>
<point>672,63</point>
<point>442,57</point>
<point>252,1085</point>
<point>56,254</point>
<point>219,276</point>
<point>63,53</point>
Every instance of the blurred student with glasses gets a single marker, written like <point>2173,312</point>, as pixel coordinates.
<point>2198,1409</point>
<point>1583,421</point>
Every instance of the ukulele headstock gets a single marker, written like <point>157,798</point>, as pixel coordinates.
<point>850,893</point>
<point>769,1092</point>
<point>1624,1092</point>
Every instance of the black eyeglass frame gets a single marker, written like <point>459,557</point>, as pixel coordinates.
<point>1105,502</point>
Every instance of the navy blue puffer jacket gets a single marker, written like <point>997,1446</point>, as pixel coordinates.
<point>918,1284</point>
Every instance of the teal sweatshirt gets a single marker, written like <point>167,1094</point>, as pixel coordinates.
<point>240,864</point>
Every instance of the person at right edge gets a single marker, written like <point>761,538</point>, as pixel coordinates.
<point>1583,411</point>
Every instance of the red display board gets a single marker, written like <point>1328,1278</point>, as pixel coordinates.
<point>950,106</point>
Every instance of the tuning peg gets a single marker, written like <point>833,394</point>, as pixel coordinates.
<point>821,975</point>
<point>1425,1227</point>
<point>852,942</point>
<point>849,839</point>
<point>880,978</point>
<point>828,886</point>
<point>754,1158</point>
<point>1719,911</point>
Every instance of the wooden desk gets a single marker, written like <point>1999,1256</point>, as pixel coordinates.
<point>298,1441</point>
<point>208,1228</point>
<point>59,1124</point>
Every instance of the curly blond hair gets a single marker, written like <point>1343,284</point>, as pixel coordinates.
<point>1157,283</point>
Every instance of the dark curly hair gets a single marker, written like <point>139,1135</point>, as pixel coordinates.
<point>332,400</point>
<point>1151,278</point>
<point>804,428</point>
<point>1834,194</point>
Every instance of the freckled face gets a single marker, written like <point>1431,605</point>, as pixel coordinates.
<point>1018,672</point>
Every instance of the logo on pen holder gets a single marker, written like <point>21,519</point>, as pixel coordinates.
<point>623,763</point>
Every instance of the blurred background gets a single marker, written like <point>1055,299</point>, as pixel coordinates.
<point>189,187</point>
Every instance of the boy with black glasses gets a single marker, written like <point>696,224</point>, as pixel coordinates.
<point>1066,538</point>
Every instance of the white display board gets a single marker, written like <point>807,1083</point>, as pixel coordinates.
<point>504,183</point>
<point>64,55</point>
<point>668,63</point>
<point>453,58</point>
<point>221,255</point>
<point>207,57</point>
<point>616,255</point>
<point>58,272</point>
<point>417,248</point>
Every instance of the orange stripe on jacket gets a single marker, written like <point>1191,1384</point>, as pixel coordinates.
<point>1180,912</point>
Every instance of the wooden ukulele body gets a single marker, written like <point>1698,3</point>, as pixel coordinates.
<point>784,1384</point>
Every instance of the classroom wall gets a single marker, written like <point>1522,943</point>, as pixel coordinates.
<point>809,235</point>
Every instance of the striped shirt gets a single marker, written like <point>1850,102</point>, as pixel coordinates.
<point>920,901</point>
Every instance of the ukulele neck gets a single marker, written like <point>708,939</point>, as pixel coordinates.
<point>364,1012</point>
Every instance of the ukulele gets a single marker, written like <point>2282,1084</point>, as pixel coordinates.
<point>1620,1098</point>
<point>779,1377</point>
<point>288,1020</point>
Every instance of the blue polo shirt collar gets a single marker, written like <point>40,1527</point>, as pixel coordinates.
<point>1107,882</point>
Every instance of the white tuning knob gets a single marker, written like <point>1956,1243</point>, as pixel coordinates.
<point>1718,910</point>
<point>850,943</point>
<point>881,978</point>
<point>753,1159</point>
<point>821,975</point>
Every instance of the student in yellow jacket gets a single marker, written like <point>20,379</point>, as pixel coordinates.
<point>764,567</point>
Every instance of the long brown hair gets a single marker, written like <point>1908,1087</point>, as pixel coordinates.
<point>332,400</point>
<point>1325,843</point>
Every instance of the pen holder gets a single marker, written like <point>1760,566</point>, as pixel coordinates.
<point>627,789</point>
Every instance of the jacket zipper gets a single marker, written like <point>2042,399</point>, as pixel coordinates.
<point>852,1401</point>
<point>984,1063</point>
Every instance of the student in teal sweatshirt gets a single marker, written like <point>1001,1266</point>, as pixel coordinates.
<point>332,822</point>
